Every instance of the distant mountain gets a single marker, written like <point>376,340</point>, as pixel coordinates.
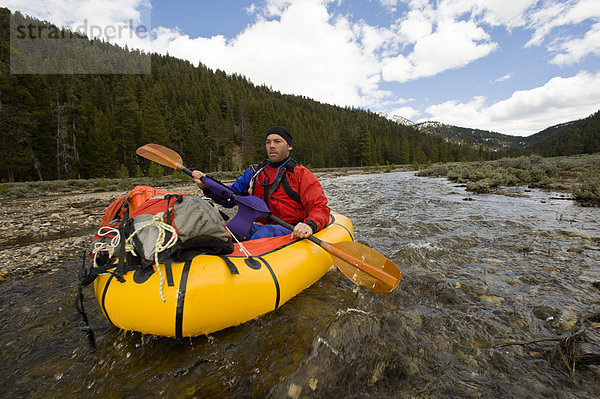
<point>549,131</point>
<point>402,121</point>
<point>491,140</point>
<point>398,119</point>
<point>568,138</point>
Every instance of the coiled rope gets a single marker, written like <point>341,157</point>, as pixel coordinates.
<point>160,244</point>
<point>108,247</point>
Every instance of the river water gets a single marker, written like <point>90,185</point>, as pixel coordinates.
<point>478,270</point>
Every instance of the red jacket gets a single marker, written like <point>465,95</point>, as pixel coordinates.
<point>293,193</point>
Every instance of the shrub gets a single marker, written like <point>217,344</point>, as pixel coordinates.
<point>506,178</point>
<point>588,190</point>
<point>524,176</point>
<point>436,170</point>
<point>483,186</point>
<point>102,182</point>
<point>75,183</point>
<point>459,174</point>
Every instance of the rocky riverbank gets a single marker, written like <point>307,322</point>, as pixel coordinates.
<point>38,234</point>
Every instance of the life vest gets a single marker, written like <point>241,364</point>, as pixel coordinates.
<point>274,187</point>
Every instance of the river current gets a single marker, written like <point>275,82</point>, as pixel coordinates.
<point>478,271</point>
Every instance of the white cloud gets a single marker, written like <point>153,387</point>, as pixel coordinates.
<point>559,14</point>
<point>70,12</point>
<point>405,112</point>
<point>372,38</point>
<point>543,20</point>
<point>501,12</point>
<point>527,111</point>
<point>540,17</point>
<point>504,78</point>
<point>573,51</point>
<point>275,8</point>
<point>302,52</point>
<point>114,21</point>
<point>416,26</point>
<point>389,4</point>
<point>454,44</point>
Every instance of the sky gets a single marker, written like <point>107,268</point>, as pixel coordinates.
<point>514,67</point>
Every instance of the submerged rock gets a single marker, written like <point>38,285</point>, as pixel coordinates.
<point>545,312</point>
<point>294,391</point>
<point>491,299</point>
<point>566,320</point>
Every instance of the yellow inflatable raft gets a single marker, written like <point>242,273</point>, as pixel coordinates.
<point>205,295</point>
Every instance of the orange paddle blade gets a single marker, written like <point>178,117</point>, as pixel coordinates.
<point>365,266</point>
<point>161,155</point>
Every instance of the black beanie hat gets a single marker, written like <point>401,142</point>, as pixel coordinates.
<point>281,131</point>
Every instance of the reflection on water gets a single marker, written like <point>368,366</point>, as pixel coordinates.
<point>475,273</point>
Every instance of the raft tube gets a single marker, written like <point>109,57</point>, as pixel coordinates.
<point>205,294</point>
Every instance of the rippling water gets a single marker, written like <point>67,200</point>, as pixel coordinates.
<point>477,270</point>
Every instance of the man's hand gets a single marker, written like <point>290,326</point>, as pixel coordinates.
<point>302,230</point>
<point>197,175</point>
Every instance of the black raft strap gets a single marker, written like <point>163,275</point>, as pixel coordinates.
<point>86,329</point>
<point>169,273</point>
<point>181,299</point>
<point>230,265</point>
<point>178,198</point>
<point>124,229</point>
<point>85,279</point>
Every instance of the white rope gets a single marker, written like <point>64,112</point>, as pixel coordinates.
<point>159,246</point>
<point>109,247</point>
<point>248,254</point>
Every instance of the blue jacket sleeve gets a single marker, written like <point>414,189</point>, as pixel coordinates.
<point>242,183</point>
<point>239,187</point>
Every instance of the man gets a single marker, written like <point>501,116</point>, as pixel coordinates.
<point>292,192</point>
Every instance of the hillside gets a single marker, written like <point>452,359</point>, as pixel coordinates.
<point>568,138</point>
<point>89,125</point>
<point>575,137</point>
<point>490,140</point>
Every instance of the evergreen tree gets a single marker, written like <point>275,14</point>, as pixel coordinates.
<point>127,130</point>
<point>153,125</point>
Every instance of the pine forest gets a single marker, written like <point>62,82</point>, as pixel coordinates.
<point>87,126</point>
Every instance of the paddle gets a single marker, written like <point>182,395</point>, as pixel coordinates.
<point>164,156</point>
<point>362,265</point>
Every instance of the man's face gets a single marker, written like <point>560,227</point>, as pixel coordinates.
<point>277,148</point>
